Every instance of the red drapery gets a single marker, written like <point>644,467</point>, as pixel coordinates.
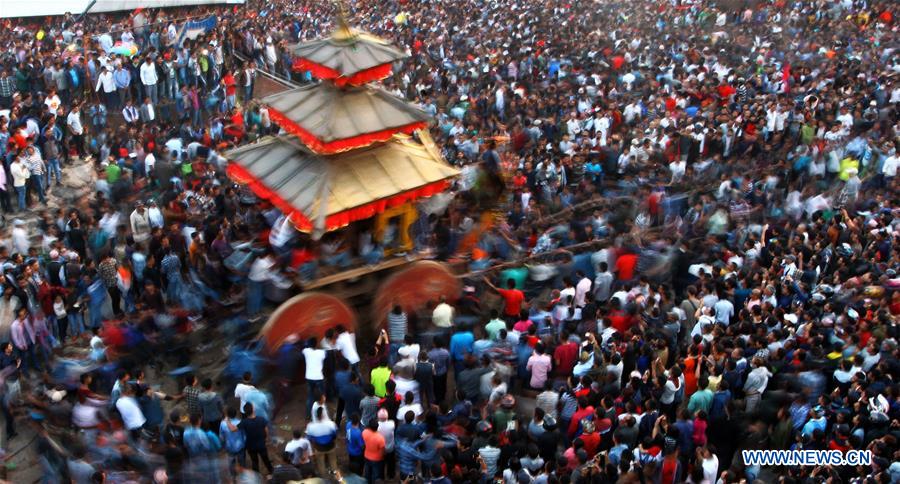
<point>340,145</point>
<point>319,71</point>
<point>335,221</point>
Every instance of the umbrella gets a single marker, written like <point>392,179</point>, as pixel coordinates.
<point>128,50</point>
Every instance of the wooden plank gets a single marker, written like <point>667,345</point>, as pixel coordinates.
<point>357,272</point>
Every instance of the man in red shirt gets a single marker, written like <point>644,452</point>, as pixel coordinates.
<point>565,356</point>
<point>618,318</point>
<point>230,84</point>
<point>513,297</point>
<point>584,410</point>
<point>625,266</point>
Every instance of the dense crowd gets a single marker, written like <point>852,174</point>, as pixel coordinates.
<point>705,192</point>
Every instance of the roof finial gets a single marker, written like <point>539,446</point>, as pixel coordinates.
<point>344,31</point>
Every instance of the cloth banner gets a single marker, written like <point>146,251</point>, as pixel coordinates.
<point>194,28</point>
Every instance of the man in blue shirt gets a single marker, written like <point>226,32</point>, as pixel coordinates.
<point>122,78</point>
<point>355,444</point>
<point>461,344</point>
<point>408,455</point>
<point>233,439</point>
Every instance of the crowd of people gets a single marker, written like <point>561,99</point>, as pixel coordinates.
<point>704,193</point>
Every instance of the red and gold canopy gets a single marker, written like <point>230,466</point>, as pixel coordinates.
<point>330,120</point>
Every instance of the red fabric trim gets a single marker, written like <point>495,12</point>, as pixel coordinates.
<point>340,145</point>
<point>243,176</point>
<point>335,221</point>
<point>359,78</point>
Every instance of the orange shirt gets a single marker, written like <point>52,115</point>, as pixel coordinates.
<point>374,445</point>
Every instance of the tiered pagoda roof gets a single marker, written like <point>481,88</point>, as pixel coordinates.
<point>348,56</point>
<point>338,190</point>
<point>347,155</point>
<point>329,119</point>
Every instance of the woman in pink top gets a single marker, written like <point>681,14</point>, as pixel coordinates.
<point>539,364</point>
<point>699,436</point>
<point>523,323</point>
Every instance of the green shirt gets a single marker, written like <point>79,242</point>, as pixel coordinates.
<point>113,173</point>
<point>493,328</point>
<point>807,134</point>
<point>379,377</point>
<point>700,400</point>
<point>502,418</point>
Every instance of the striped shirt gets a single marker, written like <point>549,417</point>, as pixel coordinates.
<point>547,401</point>
<point>490,455</point>
<point>396,326</point>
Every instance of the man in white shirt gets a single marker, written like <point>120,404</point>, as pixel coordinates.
<point>582,288</point>
<point>346,344</point>
<point>243,388</point>
<point>140,223</point>
<point>603,283</point>
<point>409,352</point>
<point>149,163</point>
<point>105,80</point>
<point>131,413</point>
<point>149,79</point>
<point>73,120</point>
<point>300,451</point>
<point>260,272</point>
<point>130,113</point>
<point>314,357</point>
<point>148,112</point>
<point>889,168</point>
<point>442,316</point>
<point>845,118</point>
<point>52,101</point>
